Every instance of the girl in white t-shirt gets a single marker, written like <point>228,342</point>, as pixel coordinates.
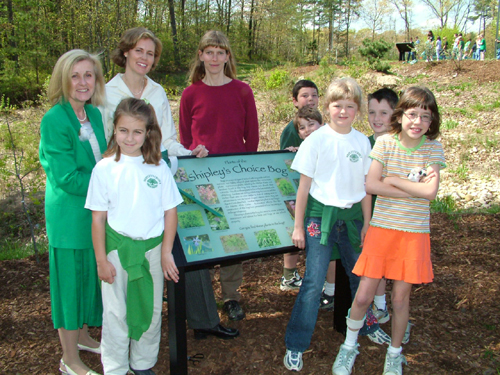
<point>133,199</point>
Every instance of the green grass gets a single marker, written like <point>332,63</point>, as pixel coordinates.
<point>462,111</point>
<point>450,124</point>
<point>414,80</point>
<point>17,249</point>
<point>445,205</point>
<point>486,107</point>
<point>462,172</point>
<point>464,86</point>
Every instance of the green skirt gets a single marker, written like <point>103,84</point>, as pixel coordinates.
<point>75,292</point>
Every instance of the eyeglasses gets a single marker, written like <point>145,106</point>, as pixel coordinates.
<point>413,116</point>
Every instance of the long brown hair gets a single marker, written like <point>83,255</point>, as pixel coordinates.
<point>414,97</point>
<point>212,38</point>
<point>140,110</point>
<point>129,40</point>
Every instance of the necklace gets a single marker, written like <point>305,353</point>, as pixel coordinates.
<point>138,93</point>
<point>84,116</point>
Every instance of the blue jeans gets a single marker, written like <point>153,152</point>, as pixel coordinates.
<point>305,311</point>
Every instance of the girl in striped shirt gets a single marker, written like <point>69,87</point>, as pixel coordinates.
<point>397,245</point>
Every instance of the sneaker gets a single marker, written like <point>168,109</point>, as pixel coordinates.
<point>406,337</point>
<point>326,302</point>
<point>382,315</point>
<point>293,284</point>
<point>379,337</point>
<point>293,360</point>
<point>394,365</point>
<point>233,310</point>
<point>142,372</point>
<point>345,360</point>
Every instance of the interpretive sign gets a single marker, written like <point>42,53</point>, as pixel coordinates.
<point>252,202</point>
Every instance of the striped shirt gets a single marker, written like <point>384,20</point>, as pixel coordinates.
<point>404,214</point>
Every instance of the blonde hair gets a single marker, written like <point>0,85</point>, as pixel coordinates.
<point>345,89</point>
<point>212,38</point>
<point>60,81</point>
<point>129,40</point>
<point>140,110</point>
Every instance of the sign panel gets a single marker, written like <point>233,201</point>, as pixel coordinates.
<point>254,195</point>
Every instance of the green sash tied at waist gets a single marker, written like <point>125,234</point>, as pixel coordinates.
<point>329,216</point>
<point>140,283</point>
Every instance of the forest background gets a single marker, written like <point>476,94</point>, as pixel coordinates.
<point>276,42</point>
<point>34,33</point>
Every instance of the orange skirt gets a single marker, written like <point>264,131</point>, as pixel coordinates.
<point>396,255</point>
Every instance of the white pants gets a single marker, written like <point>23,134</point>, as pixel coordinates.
<point>115,343</point>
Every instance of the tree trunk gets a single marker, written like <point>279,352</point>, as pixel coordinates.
<point>228,18</point>
<point>171,10</point>
<point>12,40</point>
<point>250,30</point>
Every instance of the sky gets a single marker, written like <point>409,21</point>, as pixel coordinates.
<point>422,18</point>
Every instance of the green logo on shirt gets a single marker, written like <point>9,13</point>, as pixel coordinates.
<point>152,181</point>
<point>354,156</point>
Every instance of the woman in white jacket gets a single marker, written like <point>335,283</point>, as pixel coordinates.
<point>138,52</point>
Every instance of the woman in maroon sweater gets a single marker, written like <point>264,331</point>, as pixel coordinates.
<point>219,112</point>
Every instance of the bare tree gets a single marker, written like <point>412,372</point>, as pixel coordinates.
<point>461,13</point>
<point>404,9</point>
<point>374,13</point>
<point>442,9</point>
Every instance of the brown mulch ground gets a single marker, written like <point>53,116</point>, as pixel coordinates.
<point>457,318</point>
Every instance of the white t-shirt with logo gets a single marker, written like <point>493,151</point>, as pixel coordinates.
<point>337,164</point>
<point>135,195</point>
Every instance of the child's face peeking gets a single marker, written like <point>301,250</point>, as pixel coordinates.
<point>130,134</point>
<point>379,116</point>
<point>342,115</point>
<point>308,96</point>
<point>307,126</point>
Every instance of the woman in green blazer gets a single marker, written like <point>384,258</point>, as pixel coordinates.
<point>72,142</point>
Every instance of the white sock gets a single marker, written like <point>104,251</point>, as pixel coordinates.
<point>394,352</point>
<point>351,338</point>
<point>380,302</point>
<point>329,289</point>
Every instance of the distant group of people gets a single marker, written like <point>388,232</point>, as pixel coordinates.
<point>111,203</point>
<point>437,48</point>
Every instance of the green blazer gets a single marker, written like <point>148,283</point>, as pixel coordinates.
<point>68,164</point>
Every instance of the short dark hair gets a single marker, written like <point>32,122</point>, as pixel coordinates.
<point>414,97</point>
<point>301,84</point>
<point>307,113</point>
<point>387,94</point>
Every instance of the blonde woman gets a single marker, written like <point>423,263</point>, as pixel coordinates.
<point>72,142</point>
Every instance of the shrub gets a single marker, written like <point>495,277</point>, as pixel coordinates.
<point>374,51</point>
<point>278,78</point>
